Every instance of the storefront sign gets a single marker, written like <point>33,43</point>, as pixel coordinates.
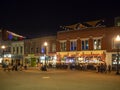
<point>31,55</point>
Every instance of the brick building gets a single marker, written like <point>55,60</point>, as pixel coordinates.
<point>87,45</point>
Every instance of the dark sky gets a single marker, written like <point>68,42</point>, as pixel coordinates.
<point>31,17</point>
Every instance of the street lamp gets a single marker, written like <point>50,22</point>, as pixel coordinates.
<point>118,46</point>
<point>3,47</point>
<point>45,44</point>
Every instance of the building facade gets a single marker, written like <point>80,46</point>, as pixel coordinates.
<point>9,40</point>
<point>5,53</point>
<point>35,51</point>
<point>88,45</point>
<point>17,51</point>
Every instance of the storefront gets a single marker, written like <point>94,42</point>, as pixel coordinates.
<point>49,60</point>
<point>114,61</point>
<point>67,59</point>
<point>31,60</point>
<point>89,57</point>
<point>18,59</point>
<point>42,59</point>
<point>7,57</point>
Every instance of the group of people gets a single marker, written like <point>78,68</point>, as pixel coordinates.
<point>103,67</point>
<point>6,65</point>
<point>41,67</point>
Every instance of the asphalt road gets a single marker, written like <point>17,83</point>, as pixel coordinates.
<point>58,80</point>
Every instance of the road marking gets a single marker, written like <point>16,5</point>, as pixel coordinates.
<point>45,77</point>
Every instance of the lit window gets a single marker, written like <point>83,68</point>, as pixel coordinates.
<point>62,46</point>
<point>97,44</point>
<point>118,24</point>
<point>42,50</point>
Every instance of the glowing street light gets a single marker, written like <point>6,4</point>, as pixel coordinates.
<point>118,46</point>
<point>3,47</point>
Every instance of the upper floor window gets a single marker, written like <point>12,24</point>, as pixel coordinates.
<point>42,50</point>
<point>26,50</point>
<point>45,50</point>
<point>63,46</point>
<point>31,50</point>
<point>21,49</point>
<point>117,21</point>
<point>73,45</point>
<point>13,50</point>
<point>17,50</point>
<point>85,44</point>
<point>97,44</point>
<point>53,47</point>
<point>118,24</point>
<point>37,50</point>
<point>9,49</point>
<point>116,42</point>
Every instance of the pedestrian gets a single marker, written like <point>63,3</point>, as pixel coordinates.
<point>25,67</point>
<point>109,68</point>
<point>16,67</point>
<point>4,65</point>
<point>13,67</point>
<point>98,67</point>
<point>20,67</point>
<point>9,67</point>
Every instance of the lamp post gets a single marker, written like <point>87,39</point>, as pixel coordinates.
<point>45,44</point>
<point>3,47</point>
<point>118,46</point>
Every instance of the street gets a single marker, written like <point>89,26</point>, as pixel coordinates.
<point>58,80</point>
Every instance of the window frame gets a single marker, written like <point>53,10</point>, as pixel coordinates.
<point>74,48</point>
<point>83,47</point>
<point>64,44</point>
<point>98,45</point>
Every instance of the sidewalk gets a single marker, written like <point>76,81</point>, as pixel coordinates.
<point>51,70</point>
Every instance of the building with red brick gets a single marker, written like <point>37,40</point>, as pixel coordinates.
<point>89,45</point>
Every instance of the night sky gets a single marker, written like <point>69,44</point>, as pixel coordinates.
<point>41,17</point>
